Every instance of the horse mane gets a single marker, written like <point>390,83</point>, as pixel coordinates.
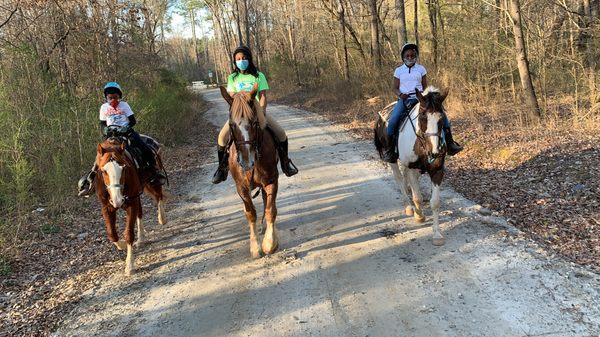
<point>241,108</point>
<point>111,145</point>
<point>433,99</point>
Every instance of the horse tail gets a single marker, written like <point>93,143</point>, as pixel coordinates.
<point>376,136</point>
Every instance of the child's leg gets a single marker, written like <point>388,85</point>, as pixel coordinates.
<point>223,139</point>
<point>397,113</point>
<point>288,168</point>
<point>453,147</point>
<point>276,129</point>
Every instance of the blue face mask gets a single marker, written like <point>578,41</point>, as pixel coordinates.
<point>242,64</point>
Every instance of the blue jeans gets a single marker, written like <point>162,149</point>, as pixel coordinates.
<point>399,113</point>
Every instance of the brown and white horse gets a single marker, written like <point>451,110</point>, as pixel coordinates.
<point>120,186</point>
<point>253,164</point>
<point>421,149</point>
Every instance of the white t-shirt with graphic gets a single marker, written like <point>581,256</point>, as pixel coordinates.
<point>410,78</point>
<point>116,116</point>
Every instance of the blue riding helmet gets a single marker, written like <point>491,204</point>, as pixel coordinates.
<point>111,88</point>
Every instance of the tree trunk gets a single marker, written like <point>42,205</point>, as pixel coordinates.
<point>375,45</point>
<point>432,9</point>
<point>194,38</point>
<point>416,22</point>
<point>402,36</point>
<point>247,22</point>
<point>522,61</point>
<point>342,21</point>
<point>238,23</point>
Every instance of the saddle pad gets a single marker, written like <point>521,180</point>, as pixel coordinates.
<point>386,113</point>
<point>151,142</point>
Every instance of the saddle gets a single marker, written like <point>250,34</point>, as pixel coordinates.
<point>388,146</point>
<point>136,153</point>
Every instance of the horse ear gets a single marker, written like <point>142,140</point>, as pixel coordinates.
<point>122,146</point>
<point>444,94</point>
<point>100,149</point>
<point>419,95</point>
<point>254,90</point>
<point>226,95</point>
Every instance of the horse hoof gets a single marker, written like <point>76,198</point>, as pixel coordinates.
<point>270,248</point>
<point>256,254</point>
<point>419,218</point>
<point>128,272</point>
<point>409,211</point>
<point>121,245</point>
<point>438,241</point>
<point>139,244</point>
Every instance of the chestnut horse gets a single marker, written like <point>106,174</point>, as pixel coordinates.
<point>253,164</point>
<point>421,149</point>
<point>121,186</point>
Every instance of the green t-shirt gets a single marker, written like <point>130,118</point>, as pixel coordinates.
<point>245,82</point>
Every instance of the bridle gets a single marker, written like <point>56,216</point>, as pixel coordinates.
<point>421,137</point>
<point>119,186</point>
<point>255,142</point>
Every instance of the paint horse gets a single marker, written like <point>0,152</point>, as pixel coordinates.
<point>121,186</point>
<point>421,149</point>
<point>253,164</point>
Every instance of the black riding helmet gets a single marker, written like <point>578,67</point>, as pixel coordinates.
<point>245,50</point>
<point>408,47</point>
<point>251,66</point>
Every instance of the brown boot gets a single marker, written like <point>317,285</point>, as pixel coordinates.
<point>288,168</point>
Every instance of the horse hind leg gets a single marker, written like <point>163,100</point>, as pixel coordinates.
<point>263,225</point>
<point>156,191</point>
<point>401,179</point>
<point>141,235</point>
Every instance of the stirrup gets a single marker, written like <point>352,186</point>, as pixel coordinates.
<point>454,148</point>
<point>290,168</point>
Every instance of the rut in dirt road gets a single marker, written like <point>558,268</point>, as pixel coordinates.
<point>350,264</point>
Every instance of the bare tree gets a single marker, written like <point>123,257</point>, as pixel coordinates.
<point>522,61</point>
<point>402,35</point>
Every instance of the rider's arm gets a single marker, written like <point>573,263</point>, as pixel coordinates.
<point>262,99</point>
<point>132,121</point>
<point>396,86</point>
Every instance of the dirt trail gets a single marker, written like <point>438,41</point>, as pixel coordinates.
<point>351,263</point>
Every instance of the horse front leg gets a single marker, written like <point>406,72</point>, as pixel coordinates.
<point>270,241</point>
<point>413,181</point>
<point>130,220</point>
<point>250,213</point>
<point>110,218</point>
<point>401,179</point>
<point>436,179</point>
